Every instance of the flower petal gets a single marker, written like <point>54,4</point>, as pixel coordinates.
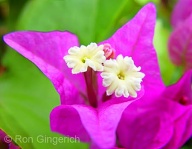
<point>180,44</point>
<point>145,121</point>
<point>181,11</point>
<point>69,94</point>
<point>83,121</point>
<point>46,50</point>
<point>182,128</point>
<point>155,121</point>
<point>65,120</point>
<point>181,95</point>
<point>181,91</point>
<point>135,39</point>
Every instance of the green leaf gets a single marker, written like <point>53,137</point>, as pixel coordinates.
<point>111,15</point>
<point>143,2</point>
<point>160,42</point>
<point>91,20</point>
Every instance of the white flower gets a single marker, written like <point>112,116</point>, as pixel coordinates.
<point>122,77</point>
<point>80,58</point>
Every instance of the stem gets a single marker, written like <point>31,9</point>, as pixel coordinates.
<point>90,79</point>
<point>176,74</point>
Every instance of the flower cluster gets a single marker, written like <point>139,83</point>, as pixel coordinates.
<point>111,93</point>
<point>119,75</point>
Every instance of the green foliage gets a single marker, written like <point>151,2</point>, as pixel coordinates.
<point>91,20</point>
<point>143,2</point>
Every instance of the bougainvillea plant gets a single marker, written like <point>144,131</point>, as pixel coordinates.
<point>97,82</point>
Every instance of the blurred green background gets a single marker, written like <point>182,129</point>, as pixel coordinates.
<point>26,95</point>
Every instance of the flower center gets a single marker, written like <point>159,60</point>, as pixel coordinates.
<point>122,77</point>
<point>84,59</point>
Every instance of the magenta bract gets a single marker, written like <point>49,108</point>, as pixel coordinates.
<point>160,121</point>
<point>181,12</point>
<point>180,44</point>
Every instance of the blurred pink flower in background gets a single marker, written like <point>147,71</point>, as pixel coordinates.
<point>181,12</point>
<point>180,41</point>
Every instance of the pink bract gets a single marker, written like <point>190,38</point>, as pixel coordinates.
<point>161,121</point>
<point>181,11</point>
<point>180,44</point>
